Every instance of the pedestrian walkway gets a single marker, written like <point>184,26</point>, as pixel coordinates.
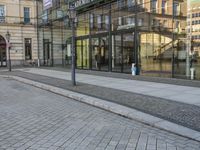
<point>41,120</point>
<point>92,89</point>
<point>184,94</point>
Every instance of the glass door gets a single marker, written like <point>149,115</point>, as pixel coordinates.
<point>100,53</point>
<point>128,52</point>
<point>82,53</point>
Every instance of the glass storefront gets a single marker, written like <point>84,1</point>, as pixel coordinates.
<point>151,34</point>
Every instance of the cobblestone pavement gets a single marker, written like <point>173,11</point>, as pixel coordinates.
<point>179,113</point>
<point>31,118</point>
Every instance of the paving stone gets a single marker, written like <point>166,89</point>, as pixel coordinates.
<point>48,119</point>
<point>180,113</point>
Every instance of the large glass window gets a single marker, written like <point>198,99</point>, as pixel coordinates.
<point>157,36</point>
<point>84,24</point>
<point>99,19</point>
<point>86,53</point>
<point>117,53</point>
<point>82,53</point>
<point>79,54</point>
<point>164,3</point>
<point>176,6</point>
<point>26,15</point>
<point>120,3</point>
<point>2,13</point>
<point>154,6</point>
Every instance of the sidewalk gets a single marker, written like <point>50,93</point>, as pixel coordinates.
<point>189,95</point>
<point>35,119</point>
<point>158,99</point>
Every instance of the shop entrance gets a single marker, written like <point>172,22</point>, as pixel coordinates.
<point>123,52</point>
<point>2,52</point>
<point>100,50</point>
<point>82,53</point>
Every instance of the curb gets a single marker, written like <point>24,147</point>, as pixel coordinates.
<point>117,109</point>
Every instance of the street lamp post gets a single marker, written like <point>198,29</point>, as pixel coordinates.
<point>72,17</point>
<point>8,45</point>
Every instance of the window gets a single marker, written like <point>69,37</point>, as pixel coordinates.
<point>176,9</point>
<point>120,3</point>
<point>28,49</point>
<point>45,17</point>
<point>120,21</point>
<point>140,22</point>
<point>56,3</point>
<point>91,21</point>
<point>140,2</point>
<point>2,13</point>
<point>106,20</point>
<point>177,24</point>
<point>99,21</point>
<point>130,20</point>
<point>193,22</point>
<point>26,15</point>
<point>164,3</point>
<point>155,22</point>
<point>165,24</point>
<point>130,3</point>
<point>153,6</point>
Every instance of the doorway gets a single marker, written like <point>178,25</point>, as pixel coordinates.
<point>123,52</point>
<point>82,53</point>
<point>3,62</point>
<point>46,52</point>
<point>100,56</point>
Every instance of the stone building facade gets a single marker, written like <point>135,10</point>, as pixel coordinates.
<point>19,18</point>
